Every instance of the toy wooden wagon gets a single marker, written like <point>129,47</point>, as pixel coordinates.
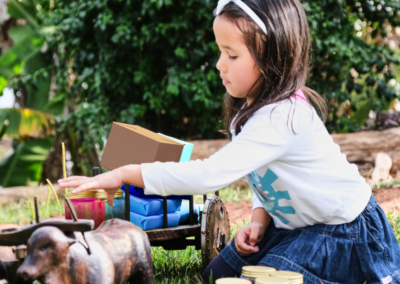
<point>210,234</point>
<point>210,231</point>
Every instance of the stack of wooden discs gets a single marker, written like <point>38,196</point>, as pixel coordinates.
<point>232,281</point>
<point>254,272</point>
<point>293,277</point>
<point>271,280</point>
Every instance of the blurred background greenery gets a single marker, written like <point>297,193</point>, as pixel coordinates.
<point>77,66</point>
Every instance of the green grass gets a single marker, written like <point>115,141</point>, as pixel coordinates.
<point>394,220</point>
<point>178,266</point>
<point>181,266</point>
<point>20,213</point>
<point>387,184</point>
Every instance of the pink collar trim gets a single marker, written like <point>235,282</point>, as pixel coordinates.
<point>299,96</point>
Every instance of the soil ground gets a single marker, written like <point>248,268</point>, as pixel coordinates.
<point>388,198</point>
<point>239,211</point>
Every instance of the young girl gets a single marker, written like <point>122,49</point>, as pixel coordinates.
<point>312,211</point>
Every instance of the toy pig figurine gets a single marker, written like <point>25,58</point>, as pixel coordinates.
<point>120,253</point>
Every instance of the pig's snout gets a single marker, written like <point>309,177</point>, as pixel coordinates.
<point>27,273</point>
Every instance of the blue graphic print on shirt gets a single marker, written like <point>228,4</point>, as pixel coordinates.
<point>262,187</point>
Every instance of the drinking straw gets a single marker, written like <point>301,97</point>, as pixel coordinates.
<point>55,194</point>
<point>63,163</point>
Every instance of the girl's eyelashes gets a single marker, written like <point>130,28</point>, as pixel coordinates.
<point>231,57</point>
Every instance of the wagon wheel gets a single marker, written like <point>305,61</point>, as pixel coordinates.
<point>215,229</point>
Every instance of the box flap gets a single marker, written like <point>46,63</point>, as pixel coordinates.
<point>150,134</point>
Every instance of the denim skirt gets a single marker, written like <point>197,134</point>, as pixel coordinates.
<point>363,251</point>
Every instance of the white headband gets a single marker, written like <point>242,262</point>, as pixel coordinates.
<point>222,3</point>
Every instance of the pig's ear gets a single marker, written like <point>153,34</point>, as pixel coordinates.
<point>71,241</point>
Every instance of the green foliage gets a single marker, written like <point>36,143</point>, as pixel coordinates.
<point>28,41</point>
<point>22,124</point>
<point>25,164</point>
<point>349,35</point>
<point>152,63</point>
<point>25,68</point>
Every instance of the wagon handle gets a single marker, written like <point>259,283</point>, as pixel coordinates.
<point>36,210</point>
<point>71,209</point>
<point>127,203</point>
<point>205,196</point>
<point>191,208</point>
<point>96,171</point>
<point>165,212</point>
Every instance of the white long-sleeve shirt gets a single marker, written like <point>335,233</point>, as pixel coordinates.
<point>296,171</point>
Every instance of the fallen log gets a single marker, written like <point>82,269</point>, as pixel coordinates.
<point>202,149</point>
<point>360,147</point>
<point>364,146</point>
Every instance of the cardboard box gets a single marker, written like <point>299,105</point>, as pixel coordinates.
<point>131,144</point>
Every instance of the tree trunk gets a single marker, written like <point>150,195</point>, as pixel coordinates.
<point>52,166</point>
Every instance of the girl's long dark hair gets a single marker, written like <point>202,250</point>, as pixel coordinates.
<point>282,56</point>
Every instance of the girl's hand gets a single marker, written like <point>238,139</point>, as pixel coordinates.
<point>111,181</point>
<point>247,237</point>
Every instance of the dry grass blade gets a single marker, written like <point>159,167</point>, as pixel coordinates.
<point>31,208</point>
<point>64,164</point>
<point>55,195</point>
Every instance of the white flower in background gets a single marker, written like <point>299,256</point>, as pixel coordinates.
<point>392,82</point>
<point>3,11</point>
<point>7,100</point>
<point>396,105</point>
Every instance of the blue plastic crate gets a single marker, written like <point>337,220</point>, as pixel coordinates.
<point>154,221</point>
<point>184,212</point>
<point>138,191</point>
<point>153,206</point>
